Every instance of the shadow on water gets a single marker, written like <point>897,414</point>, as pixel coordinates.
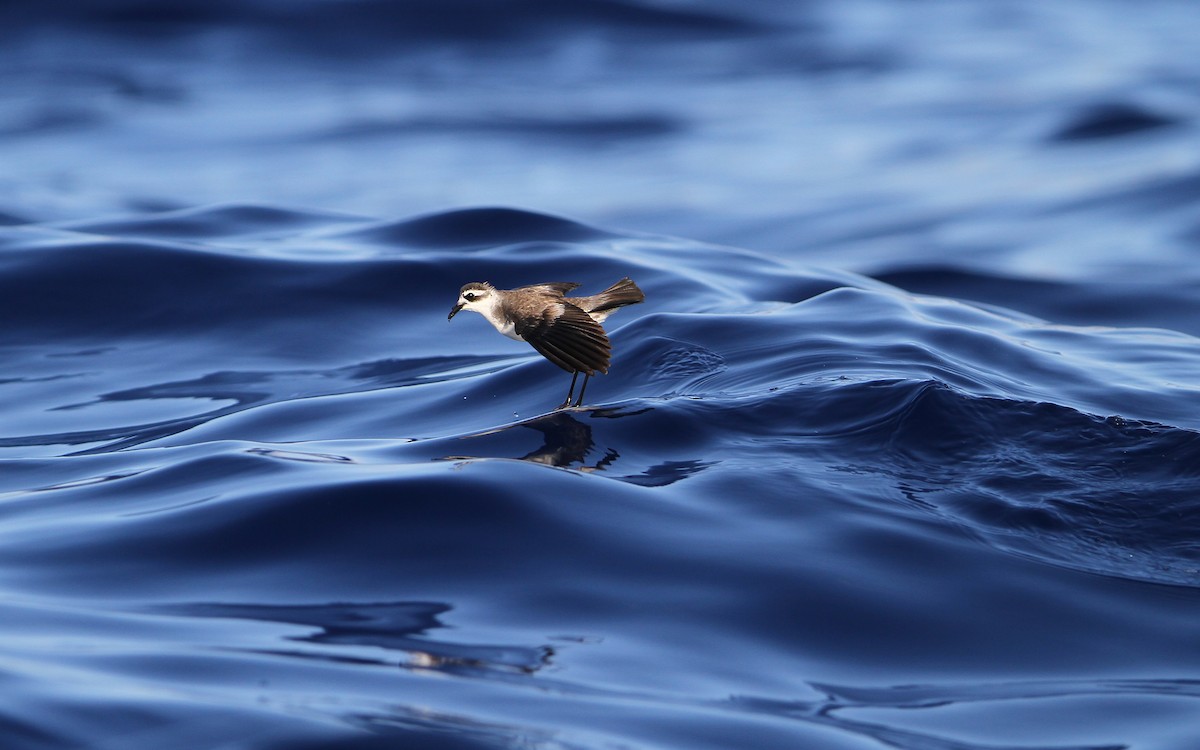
<point>393,627</point>
<point>915,716</point>
<point>569,444</point>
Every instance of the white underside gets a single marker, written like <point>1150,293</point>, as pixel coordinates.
<point>496,318</point>
<point>506,328</point>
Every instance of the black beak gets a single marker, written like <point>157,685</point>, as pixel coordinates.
<point>454,311</point>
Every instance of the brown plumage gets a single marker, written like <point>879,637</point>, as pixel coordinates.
<point>564,330</point>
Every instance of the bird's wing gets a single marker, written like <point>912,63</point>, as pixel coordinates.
<point>556,288</point>
<point>568,337</point>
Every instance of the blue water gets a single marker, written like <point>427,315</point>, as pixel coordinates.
<point>901,451</point>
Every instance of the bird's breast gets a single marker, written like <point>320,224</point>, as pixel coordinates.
<point>506,328</point>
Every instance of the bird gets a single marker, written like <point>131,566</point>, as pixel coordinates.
<point>565,330</point>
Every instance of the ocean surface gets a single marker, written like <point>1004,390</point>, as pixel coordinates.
<point>902,451</point>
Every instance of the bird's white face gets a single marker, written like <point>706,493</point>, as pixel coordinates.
<point>476,298</point>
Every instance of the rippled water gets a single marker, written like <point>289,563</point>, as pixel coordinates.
<point>257,492</point>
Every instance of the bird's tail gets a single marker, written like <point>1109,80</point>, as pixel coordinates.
<point>622,293</point>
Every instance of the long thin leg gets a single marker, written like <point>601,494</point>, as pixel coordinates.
<point>583,388</point>
<point>567,403</point>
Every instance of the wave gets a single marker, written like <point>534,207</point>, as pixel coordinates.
<point>252,345</point>
<point>254,429</point>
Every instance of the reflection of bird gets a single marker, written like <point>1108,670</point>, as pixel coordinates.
<point>564,330</point>
<point>565,441</point>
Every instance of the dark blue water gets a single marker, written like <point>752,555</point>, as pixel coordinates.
<point>902,450</point>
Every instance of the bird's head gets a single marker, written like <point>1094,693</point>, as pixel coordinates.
<point>477,296</point>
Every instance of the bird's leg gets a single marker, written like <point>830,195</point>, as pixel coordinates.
<point>583,388</point>
<point>567,403</point>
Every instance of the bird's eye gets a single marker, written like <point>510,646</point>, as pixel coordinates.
<point>469,296</point>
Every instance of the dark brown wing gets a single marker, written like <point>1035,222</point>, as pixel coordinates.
<point>568,337</point>
<point>557,288</point>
